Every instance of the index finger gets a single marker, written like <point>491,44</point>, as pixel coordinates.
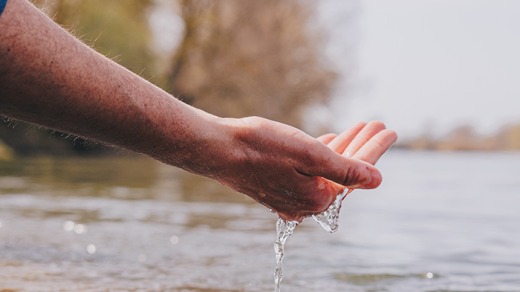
<point>376,146</point>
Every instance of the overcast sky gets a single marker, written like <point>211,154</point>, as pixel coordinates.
<point>419,64</point>
<point>433,64</point>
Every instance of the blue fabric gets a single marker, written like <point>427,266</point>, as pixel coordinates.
<point>2,5</point>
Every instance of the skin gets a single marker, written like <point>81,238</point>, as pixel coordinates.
<point>49,78</point>
<point>364,141</point>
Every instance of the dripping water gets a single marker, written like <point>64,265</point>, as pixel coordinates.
<point>283,230</point>
<point>328,219</point>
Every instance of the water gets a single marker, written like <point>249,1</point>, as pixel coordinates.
<point>439,222</point>
<point>328,219</point>
<point>284,229</point>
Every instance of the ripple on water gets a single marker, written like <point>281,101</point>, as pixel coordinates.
<point>371,279</point>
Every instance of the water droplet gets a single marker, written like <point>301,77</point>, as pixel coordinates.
<point>91,249</point>
<point>174,239</point>
<point>429,275</point>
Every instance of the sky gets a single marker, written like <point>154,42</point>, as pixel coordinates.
<point>427,66</point>
<point>421,66</point>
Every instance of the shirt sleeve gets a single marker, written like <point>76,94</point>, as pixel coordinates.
<point>2,5</point>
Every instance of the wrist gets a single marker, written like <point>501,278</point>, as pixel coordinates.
<point>197,142</point>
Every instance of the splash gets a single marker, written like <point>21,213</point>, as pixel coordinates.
<point>328,219</point>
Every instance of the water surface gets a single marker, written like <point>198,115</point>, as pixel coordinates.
<point>439,222</point>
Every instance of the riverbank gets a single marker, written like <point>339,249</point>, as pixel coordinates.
<point>465,138</point>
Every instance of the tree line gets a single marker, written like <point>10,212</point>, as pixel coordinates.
<point>465,138</point>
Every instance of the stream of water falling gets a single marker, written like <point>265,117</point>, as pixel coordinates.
<point>283,230</point>
<point>328,219</point>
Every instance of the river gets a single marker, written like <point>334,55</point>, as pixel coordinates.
<point>439,222</point>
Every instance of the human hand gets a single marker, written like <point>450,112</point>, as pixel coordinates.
<point>277,165</point>
<point>367,142</point>
<point>364,141</point>
<point>288,171</point>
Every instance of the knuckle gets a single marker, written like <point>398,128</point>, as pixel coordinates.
<point>352,176</point>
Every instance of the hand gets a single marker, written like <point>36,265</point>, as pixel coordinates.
<point>286,170</point>
<point>62,84</point>
<point>366,142</point>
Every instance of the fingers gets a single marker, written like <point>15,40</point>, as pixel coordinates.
<point>369,131</point>
<point>344,139</point>
<point>348,172</point>
<point>374,148</point>
<point>325,139</point>
<point>365,143</point>
<point>359,175</point>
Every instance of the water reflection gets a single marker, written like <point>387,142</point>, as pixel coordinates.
<point>134,178</point>
<point>68,225</point>
<point>174,239</point>
<point>91,249</point>
<point>440,222</point>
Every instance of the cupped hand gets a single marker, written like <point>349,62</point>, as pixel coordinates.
<point>366,142</point>
<point>292,173</point>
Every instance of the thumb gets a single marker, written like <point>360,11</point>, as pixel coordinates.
<point>354,173</point>
<point>348,172</point>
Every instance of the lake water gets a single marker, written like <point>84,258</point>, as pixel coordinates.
<point>439,222</point>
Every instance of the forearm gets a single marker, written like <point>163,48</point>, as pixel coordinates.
<point>50,78</point>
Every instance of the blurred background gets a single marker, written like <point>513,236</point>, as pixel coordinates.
<point>441,73</point>
<point>77,215</point>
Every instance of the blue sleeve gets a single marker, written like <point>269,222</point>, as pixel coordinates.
<point>2,5</point>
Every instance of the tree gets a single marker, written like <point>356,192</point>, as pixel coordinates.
<point>248,57</point>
